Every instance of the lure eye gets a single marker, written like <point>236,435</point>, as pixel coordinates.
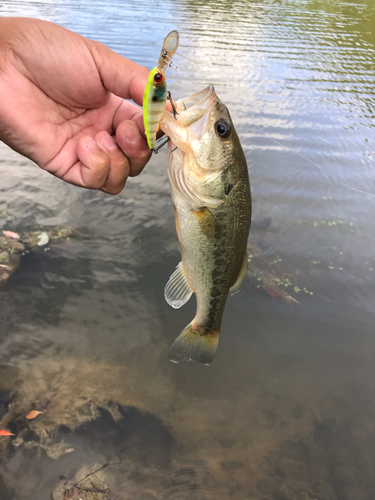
<point>158,77</point>
<point>223,128</point>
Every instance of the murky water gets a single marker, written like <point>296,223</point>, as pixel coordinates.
<point>286,411</point>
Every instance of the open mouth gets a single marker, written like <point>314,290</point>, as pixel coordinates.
<point>201,101</point>
<point>192,117</point>
<point>193,111</point>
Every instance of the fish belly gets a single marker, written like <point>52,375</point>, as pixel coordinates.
<point>211,257</point>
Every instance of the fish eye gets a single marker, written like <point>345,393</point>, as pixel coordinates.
<point>223,128</point>
<point>158,77</point>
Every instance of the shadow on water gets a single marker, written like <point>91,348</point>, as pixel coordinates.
<point>129,440</point>
<point>38,290</point>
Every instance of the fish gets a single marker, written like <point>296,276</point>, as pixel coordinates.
<point>210,190</point>
<point>156,93</point>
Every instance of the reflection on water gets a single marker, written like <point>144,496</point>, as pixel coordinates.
<point>286,411</point>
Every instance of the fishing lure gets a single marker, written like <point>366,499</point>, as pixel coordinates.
<point>156,93</point>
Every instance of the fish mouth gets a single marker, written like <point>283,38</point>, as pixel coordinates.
<point>194,111</point>
<point>198,103</point>
<point>192,119</point>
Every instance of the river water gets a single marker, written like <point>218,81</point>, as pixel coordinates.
<point>287,409</point>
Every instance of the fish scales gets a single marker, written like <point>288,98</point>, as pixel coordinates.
<point>221,254</point>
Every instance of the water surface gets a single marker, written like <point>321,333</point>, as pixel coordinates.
<point>287,408</point>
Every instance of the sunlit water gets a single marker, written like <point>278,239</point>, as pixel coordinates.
<point>286,411</point>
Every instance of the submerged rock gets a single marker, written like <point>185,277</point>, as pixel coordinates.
<point>8,264</point>
<point>11,245</point>
<point>11,249</point>
<point>35,239</point>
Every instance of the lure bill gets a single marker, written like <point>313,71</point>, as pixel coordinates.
<point>156,93</point>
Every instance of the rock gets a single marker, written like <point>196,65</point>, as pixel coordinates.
<point>11,245</point>
<point>268,486</point>
<point>294,450</point>
<point>5,400</point>
<point>4,258</point>
<point>147,496</point>
<point>34,238</point>
<point>229,466</point>
<point>296,491</point>
<point>324,490</point>
<point>8,264</point>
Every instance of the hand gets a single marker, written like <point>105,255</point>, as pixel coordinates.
<point>61,102</point>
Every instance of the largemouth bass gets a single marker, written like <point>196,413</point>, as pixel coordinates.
<point>211,194</point>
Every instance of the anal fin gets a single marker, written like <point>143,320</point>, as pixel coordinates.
<point>241,277</point>
<point>177,291</point>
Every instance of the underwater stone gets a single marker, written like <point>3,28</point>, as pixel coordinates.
<point>4,258</point>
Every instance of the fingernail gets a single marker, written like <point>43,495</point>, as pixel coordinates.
<point>89,143</point>
<point>108,143</point>
<point>131,135</point>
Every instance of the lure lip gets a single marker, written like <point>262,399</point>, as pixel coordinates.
<point>171,41</point>
<point>170,45</point>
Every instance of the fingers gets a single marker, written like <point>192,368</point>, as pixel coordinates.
<point>91,171</point>
<point>102,165</point>
<point>119,75</point>
<point>118,164</point>
<point>133,143</point>
<point>106,164</point>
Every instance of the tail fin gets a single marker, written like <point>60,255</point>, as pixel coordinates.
<point>191,345</point>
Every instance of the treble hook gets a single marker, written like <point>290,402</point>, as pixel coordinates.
<point>160,143</point>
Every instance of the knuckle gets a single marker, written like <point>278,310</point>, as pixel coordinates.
<point>99,174</point>
<point>121,162</point>
<point>144,154</point>
<point>96,183</point>
<point>113,190</point>
<point>102,163</point>
<point>136,169</point>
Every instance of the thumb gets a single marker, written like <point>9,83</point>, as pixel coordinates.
<point>119,75</point>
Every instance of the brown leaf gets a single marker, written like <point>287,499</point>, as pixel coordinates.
<point>10,234</point>
<point>33,414</point>
<point>6,433</point>
<point>72,494</point>
<point>271,286</point>
<point>274,293</point>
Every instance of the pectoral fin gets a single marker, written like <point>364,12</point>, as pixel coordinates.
<point>236,287</point>
<point>177,291</point>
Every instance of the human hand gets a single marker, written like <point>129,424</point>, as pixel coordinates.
<point>61,101</point>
